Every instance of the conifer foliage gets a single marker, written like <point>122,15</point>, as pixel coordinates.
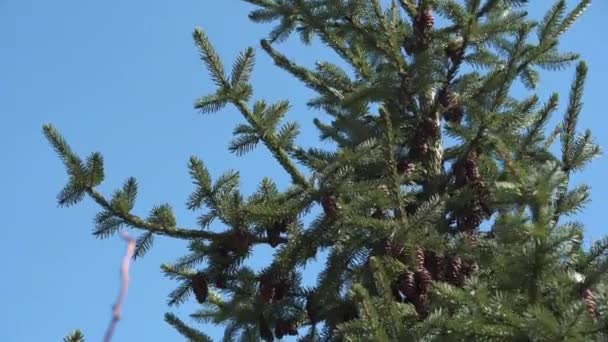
<point>446,150</point>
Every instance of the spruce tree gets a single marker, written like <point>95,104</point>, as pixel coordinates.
<point>431,145</point>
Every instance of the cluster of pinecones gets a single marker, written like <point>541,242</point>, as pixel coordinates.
<point>413,287</point>
<point>470,216</point>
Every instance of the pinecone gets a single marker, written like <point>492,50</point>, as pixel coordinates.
<point>388,247</point>
<point>407,285</point>
<point>421,304</point>
<point>267,290</point>
<point>460,173</point>
<point>274,237</point>
<point>454,271</point>
<point>472,168</point>
<point>329,204</point>
<point>267,294</point>
<point>454,115</point>
<point>405,167</point>
<point>447,98</point>
<point>420,147</point>
<point>590,302</point>
<point>283,328</point>
<point>419,258</point>
<point>430,129</point>
<point>200,287</point>
<point>240,242</point>
<point>292,328</point>
<point>425,20</point>
<point>423,280</point>
<point>468,269</point>
<point>434,264</point>
<point>281,289</point>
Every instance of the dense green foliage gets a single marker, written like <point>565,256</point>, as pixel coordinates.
<point>430,145</point>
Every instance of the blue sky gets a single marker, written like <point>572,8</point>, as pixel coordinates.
<point>120,77</point>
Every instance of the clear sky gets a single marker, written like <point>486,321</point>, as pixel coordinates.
<point>120,77</point>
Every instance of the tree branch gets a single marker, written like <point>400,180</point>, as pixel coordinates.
<point>271,143</point>
<point>124,285</point>
<point>137,222</point>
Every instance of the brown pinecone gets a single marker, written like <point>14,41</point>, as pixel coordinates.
<point>468,269</point>
<point>407,285</point>
<point>292,328</point>
<point>454,271</point>
<point>469,219</point>
<point>267,291</point>
<point>200,287</point>
<point>421,304</point>
<point>420,148</point>
<point>430,129</point>
<point>405,167</point>
<point>425,20</point>
<point>274,237</point>
<point>447,98</point>
<point>454,115</point>
<point>281,289</point>
<point>590,302</point>
<point>423,280</point>
<point>472,168</point>
<point>460,173</point>
<point>419,258</point>
<point>388,247</point>
<point>240,242</point>
<point>267,294</point>
<point>329,204</point>
<point>434,264</point>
